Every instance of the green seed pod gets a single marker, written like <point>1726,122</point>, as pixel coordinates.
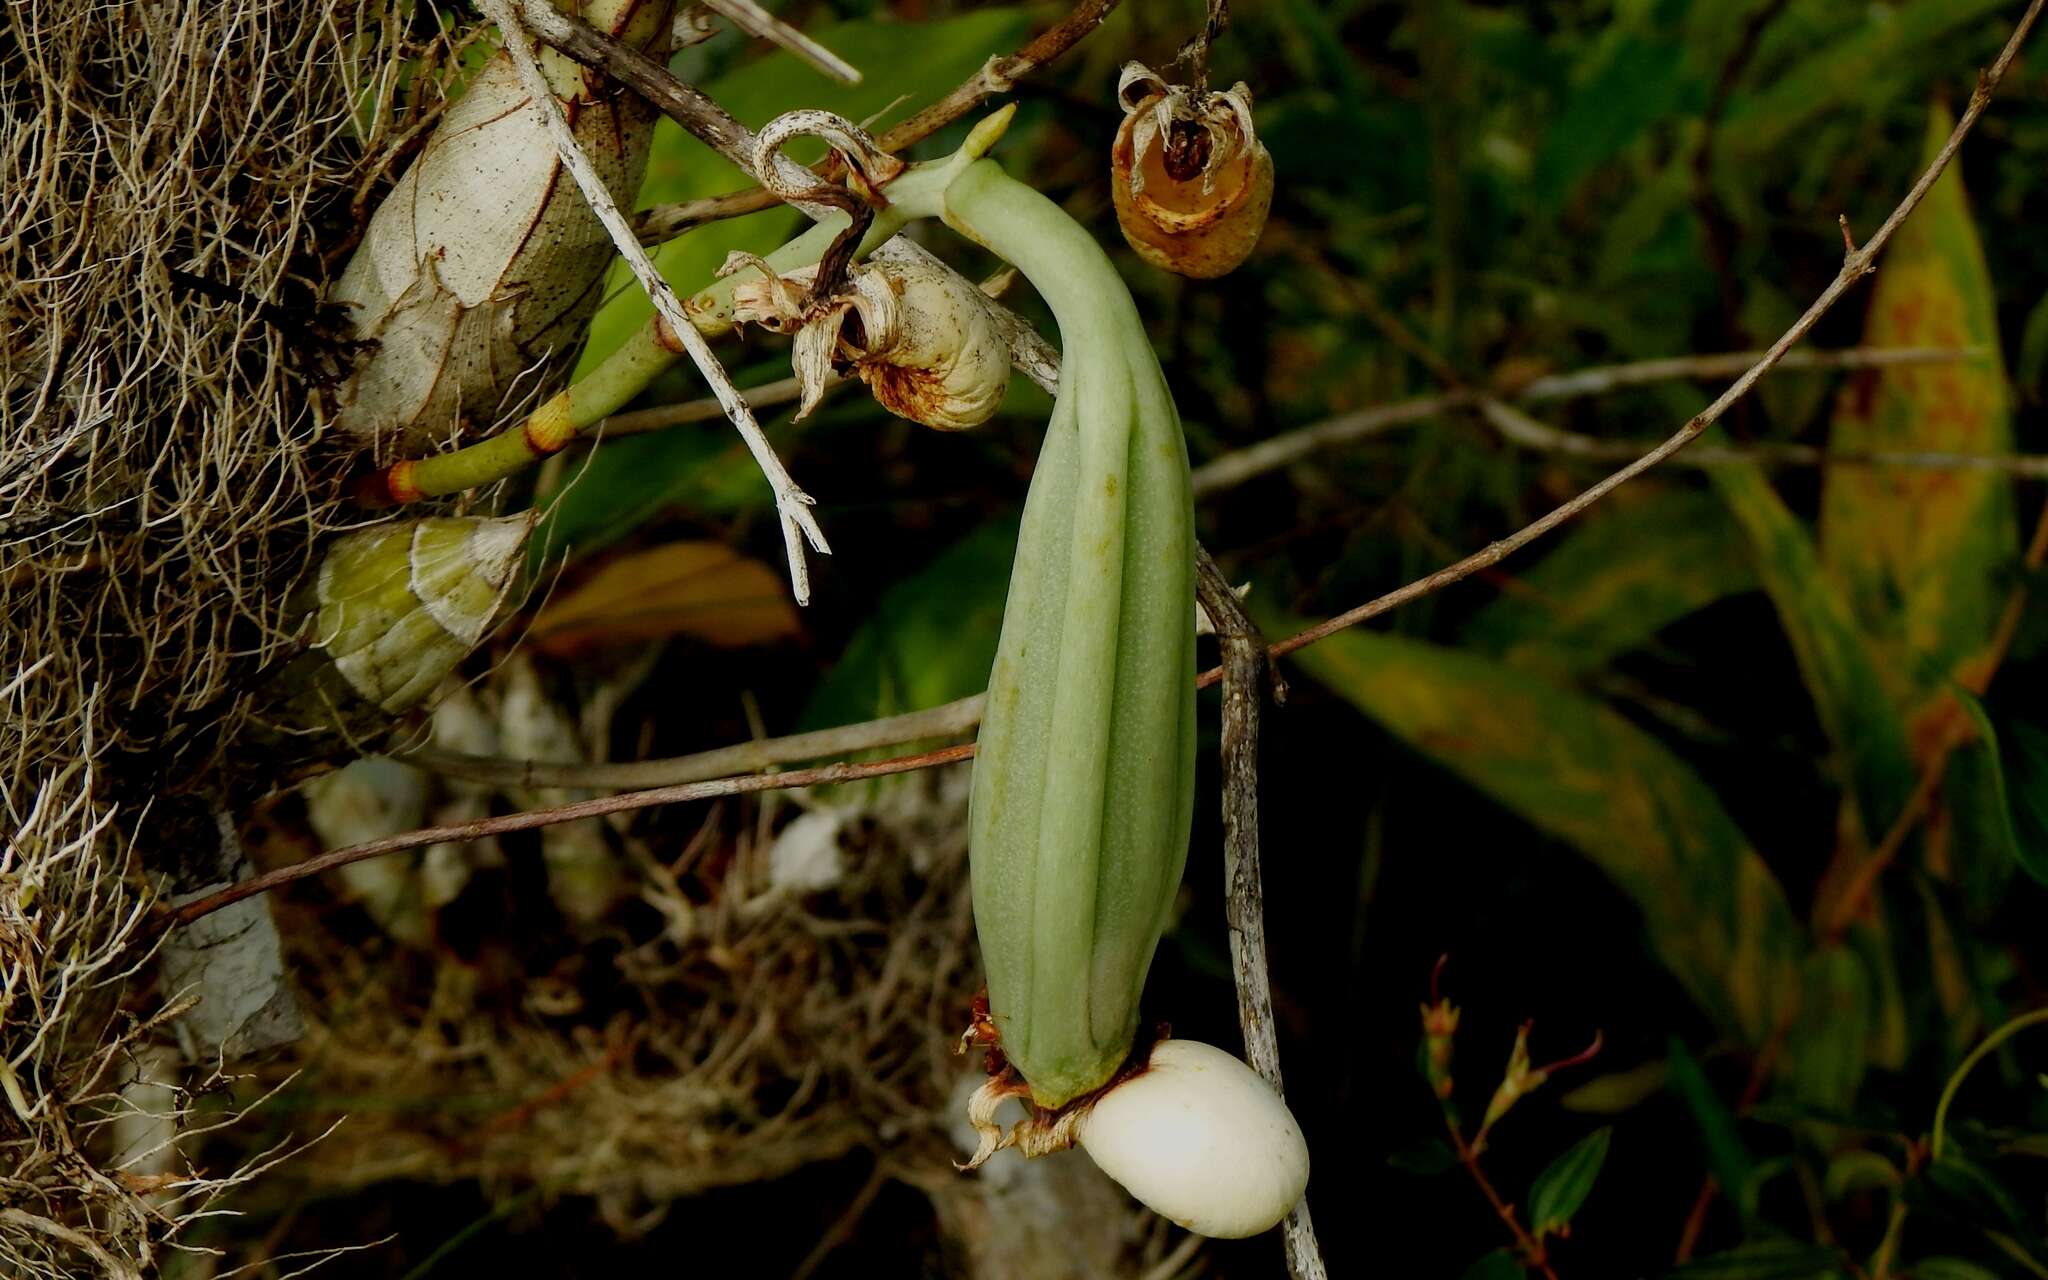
<point>1084,781</point>
<point>484,260</point>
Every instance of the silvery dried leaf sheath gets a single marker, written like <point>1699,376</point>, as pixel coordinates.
<point>1084,779</point>
<point>484,261</point>
<point>400,606</point>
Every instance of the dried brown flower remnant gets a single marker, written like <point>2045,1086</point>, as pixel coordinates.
<point>1191,180</point>
<point>921,337</point>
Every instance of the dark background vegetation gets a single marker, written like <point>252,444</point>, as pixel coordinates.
<point>1522,187</point>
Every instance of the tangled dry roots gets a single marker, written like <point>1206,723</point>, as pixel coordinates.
<point>715,1030</point>
<point>160,495</point>
<point>178,181</point>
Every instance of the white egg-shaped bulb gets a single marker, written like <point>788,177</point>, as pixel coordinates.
<point>1201,1140</point>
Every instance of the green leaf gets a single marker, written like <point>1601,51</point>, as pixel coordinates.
<point>621,484</point>
<point>1834,657</point>
<point>1580,772</point>
<point>1858,1170</point>
<point>1957,1189</point>
<point>1923,555</point>
<point>1961,1187</point>
<point>1961,1001</point>
<point>930,639</point>
<point>1728,1158</point>
<point>1426,1157</point>
<point>1562,1188</point>
<point>2031,372</point>
<point>681,168</point>
<point>1618,1091</point>
<point>1848,67</point>
<point>1622,575</point>
<point>2025,763</point>
<point>2019,783</point>
<point>1826,1049</point>
<point>1637,82</point>
<point>1781,1260</point>
<point>1974,818</point>
<point>1501,1264</point>
<point>1950,1269</point>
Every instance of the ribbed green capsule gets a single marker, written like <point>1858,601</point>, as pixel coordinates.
<point>1084,780</point>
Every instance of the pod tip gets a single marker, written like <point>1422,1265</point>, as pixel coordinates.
<point>984,136</point>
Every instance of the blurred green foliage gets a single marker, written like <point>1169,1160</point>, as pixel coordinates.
<point>1633,778</point>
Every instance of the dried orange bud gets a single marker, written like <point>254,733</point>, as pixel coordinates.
<point>1192,182</point>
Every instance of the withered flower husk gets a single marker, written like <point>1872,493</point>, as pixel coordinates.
<point>389,613</point>
<point>1191,180</point>
<point>919,336</point>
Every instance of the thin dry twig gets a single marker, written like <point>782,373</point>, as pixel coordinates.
<point>1244,664</point>
<point>532,819</point>
<point>756,21</point>
<point>681,102</point>
<point>999,75</point>
<point>945,721</point>
<point>792,504</point>
<point>1518,427</point>
<point>1530,1248</point>
<point>1235,468</point>
<point>843,1226</point>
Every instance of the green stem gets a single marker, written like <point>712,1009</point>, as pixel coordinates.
<point>1977,1055</point>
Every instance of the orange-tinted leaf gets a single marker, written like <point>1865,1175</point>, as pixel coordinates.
<point>704,590</point>
<point>1923,555</point>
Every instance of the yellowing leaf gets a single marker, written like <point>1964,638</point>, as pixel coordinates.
<point>1639,563</point>
<point>1923,555</point>
<point>1837,659</point>
<point>700,589</point>
<point>1578,771</point>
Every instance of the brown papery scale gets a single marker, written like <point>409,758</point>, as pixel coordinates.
<point>1191,180</point>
